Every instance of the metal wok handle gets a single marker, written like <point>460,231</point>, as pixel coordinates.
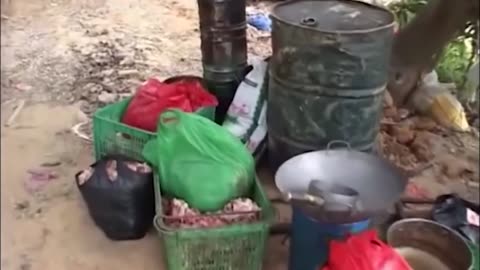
<point>334,194</point>
<point>339,142</point>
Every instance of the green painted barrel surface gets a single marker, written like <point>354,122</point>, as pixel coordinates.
<point>328,74</point>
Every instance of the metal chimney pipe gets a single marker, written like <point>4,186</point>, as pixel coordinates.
<point>224,48</point>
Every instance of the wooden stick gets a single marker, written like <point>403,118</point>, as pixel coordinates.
<point>15,113</point>
<point>76,130</point>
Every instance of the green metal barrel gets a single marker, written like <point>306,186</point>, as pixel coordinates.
<point>328,74</point>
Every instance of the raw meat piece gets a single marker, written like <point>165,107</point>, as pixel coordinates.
<point>180,215</point>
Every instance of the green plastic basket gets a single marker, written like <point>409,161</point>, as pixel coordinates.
<point>476,256</point>
<point>233,247</point>
<point>111,136</point>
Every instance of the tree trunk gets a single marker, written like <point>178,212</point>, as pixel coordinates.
<point>418,46</point>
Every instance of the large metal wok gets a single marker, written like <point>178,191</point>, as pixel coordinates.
<point>376,182</point>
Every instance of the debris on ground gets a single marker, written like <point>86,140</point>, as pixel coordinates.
<point>259,42</point>
<point>51,164</point>
<point>406,139</point>
<point>111,69</point>
<point>25,209</point>
<point>258,31</point>
<point>16,112</point>
<point>453,167</point>
<point>83,130</point>
<point>178,214</point>
<point>260,21</point>
<point>435,158</point>
<point>415,191</point>
<point>38,178</point>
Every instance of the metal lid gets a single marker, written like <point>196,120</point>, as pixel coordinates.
<point>333,16</point>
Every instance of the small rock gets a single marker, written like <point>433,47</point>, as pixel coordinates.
<point>390,112</point>
<point>22,205</point>
<point>128,72</point>
<point>476,122</point>
<point>127,62</point>
<point>421,146</point>
<point>81,116</point>
<point>388,100</point>
<point>402,114</point>
<point>107,98</point>
<point>25,266</point>
<point>125,95</point>
<point>425,123</point>
<point>108,72</point>
<point>453,167</point>
<point>403,134</point>
<point>92,88</point>
<point>23,87</point>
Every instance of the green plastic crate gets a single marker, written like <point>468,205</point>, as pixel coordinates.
<point>476,256</point>
<point>111,136</point>
<point>233,247</point>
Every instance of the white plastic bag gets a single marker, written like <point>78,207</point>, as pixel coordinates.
<point>246,116</point>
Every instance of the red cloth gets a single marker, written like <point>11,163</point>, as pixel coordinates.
<point>153,97</point>
<point>364,251</point>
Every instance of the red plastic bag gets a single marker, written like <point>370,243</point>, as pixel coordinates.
<point>364,251</point>
<point>153,97</point>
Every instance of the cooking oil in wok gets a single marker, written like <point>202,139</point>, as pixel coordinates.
<point>421,260</point>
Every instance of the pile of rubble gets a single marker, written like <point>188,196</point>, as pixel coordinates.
<point>109,69</point>
<point>406,140</point>
<point>259,42</point>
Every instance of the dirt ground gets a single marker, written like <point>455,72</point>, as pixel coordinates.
<point>60,61</point>
<point>50,52</point>
<point>51,228</point>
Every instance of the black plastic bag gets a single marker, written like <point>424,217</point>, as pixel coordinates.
<point>451,211</point>
<point>120,197</point>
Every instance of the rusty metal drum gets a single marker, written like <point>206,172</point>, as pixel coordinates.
<point>328,75</point>
<point>224,47</point>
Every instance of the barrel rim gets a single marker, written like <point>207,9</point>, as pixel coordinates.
<point>359,31</point>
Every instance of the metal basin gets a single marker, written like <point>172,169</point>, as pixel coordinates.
<point>378,183</point>
<point>437,240</point>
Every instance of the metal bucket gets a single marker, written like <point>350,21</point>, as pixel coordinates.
<point>224,46</point>
<point>310,239</point>
<point>439,241</point>
<point>328,74</point>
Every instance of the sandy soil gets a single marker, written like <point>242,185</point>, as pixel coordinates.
<point>51,228</point>
<point>46,49</point>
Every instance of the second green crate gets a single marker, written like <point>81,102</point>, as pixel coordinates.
<point>233,247</point>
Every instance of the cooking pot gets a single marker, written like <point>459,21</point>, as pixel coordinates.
<point>365,183</point>
<point>415,237</point>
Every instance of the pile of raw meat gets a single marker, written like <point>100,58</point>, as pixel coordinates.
<point>178,214</point>
<point>111,170</point>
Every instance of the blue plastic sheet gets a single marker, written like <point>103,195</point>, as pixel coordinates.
<point>260,21</point>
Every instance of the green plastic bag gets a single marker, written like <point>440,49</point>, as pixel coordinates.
<point>199,161</point>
